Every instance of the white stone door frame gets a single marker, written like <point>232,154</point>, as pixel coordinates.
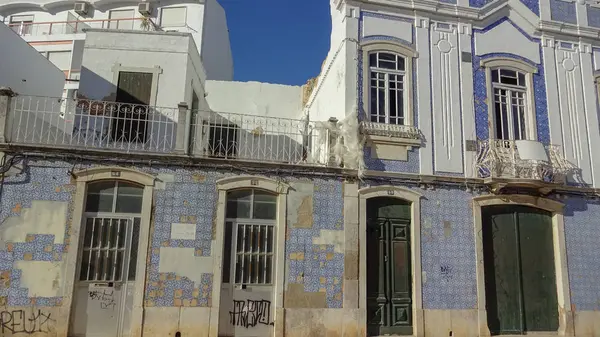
<point>414,198</point>
<point>112,173</point>
<point>250,182</point>
<point>566,325</point>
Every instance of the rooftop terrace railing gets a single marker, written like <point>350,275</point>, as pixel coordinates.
<point>74,27</point>
<point>80,124</point>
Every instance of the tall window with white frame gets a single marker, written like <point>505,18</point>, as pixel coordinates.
<point>387,88</point>
<point>510,103</point>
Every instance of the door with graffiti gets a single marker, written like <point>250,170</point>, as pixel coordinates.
<point>248,264</point>
<point>104,285</point>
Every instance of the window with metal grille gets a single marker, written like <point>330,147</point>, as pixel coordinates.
<point>105,249</point>
<point>251,229</point>
<point>510,103</point>
<point>254,254</point>
<point>111,231</point>
<point>387,88</point>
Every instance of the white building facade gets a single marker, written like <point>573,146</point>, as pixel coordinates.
<point>438,178</point>
<point>57,29</point>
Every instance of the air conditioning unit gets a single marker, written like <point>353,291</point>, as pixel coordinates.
<point>81,8</point>
<point>144,8</point>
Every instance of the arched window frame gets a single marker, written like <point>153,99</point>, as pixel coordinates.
<point>528,70</point>
<point>278,188</point>
<point>399,50</point>
<point>82,179</point>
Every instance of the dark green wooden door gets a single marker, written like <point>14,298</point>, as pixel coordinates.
<point>520,276</point>
<point>389,281</point>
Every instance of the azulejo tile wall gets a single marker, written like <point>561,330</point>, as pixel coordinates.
<point>448,249</point>
<point>190,197</point>
<point>41,180</point>
<point>480,89</point>
<point>318,266</point>
<point>582,236</point>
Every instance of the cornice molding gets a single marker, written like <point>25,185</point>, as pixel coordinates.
<point>478,18</point>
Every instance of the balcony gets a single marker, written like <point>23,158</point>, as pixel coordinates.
<point>37,29</point>
<point>44,124</point>
<point>522,160</point>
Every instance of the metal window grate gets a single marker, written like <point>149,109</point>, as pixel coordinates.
<point>254,254</point>
<point>105,250</point>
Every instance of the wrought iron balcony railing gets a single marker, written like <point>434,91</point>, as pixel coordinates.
<point>81,124</point>
<point>522,159</point>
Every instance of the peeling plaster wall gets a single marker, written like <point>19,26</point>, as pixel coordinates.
<point>314,245</point>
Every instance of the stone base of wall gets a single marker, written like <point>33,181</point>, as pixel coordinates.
<point>167,321</point>
<point>587,323</point>
<point>462,323</point>
<point>324,323</point>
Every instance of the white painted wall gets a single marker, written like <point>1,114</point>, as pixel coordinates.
<point>447,129</point>
<point>215,46</point>
<point>255,98</point>
<point>26,71</point>
<point>335,93</point>
<point>103,49</point>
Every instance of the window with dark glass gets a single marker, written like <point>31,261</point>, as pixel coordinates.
<point>510,102</point>
<point>387,88</point>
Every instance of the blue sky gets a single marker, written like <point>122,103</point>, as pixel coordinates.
<point>278,41</point>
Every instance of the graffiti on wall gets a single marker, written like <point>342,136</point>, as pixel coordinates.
<point>250,313</point>
<point>25,322</point>
<point>105,297</point>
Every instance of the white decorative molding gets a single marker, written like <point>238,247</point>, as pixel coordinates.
<point>505,38</point>
<point>465,28</point>
<point>422,22</point>
<point>548,42</point>
<point>585,48</point>
<point>445,63</point>
<point>387,27</point>
<point>424,95</point>
<point>572,105</point>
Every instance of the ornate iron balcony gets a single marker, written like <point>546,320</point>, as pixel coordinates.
<point>522,159</point>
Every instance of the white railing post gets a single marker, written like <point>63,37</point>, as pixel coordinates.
<point>182,140</point>
<point>6,95</point>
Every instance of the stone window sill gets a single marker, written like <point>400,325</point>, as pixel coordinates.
<point>390,142</point>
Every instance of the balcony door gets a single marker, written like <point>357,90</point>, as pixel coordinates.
<point>520,276</point>
<point>389,277</point>
<point>130,121</point>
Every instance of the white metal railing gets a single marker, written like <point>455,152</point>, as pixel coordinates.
<point>74,27</point>
<point>256,138</point>
<point>91,124</point>
<point>130,128</point>
<point>498,158</point>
